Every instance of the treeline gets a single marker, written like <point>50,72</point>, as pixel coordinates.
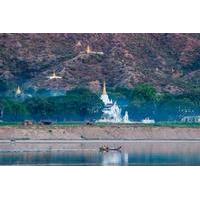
<point>77,104</point>
<point>81,104</point>
<point>144,101</point>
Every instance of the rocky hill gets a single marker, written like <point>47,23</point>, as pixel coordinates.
<point>170,62</point>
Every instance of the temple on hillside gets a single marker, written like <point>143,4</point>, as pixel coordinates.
<point>89,51</point>
<point>54,76</point>
<point>18,91</point>
<point>21,95</point>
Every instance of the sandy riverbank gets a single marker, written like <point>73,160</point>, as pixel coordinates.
<point>96,132</point>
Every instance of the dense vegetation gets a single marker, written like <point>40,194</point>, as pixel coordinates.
<point>144,101</point>
<point>82,104</point>
<point>77,104</point>
<point>3,86</point>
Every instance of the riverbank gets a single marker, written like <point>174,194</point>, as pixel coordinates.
<point>81,123</point>
<point>93,132</point>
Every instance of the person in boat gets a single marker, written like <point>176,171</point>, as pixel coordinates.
<point>106,148</point>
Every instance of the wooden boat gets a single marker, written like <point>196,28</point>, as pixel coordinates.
<point>107,148</point>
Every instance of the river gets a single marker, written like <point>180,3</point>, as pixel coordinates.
<point>133,153</point>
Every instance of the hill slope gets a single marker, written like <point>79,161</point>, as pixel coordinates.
<point>171,62</point>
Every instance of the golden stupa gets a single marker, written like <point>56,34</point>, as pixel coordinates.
<point>104,88</point>
<point>88,50</point>
<point>18,91</point>
<point>54,76</point>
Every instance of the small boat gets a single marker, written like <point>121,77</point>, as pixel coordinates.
<point>107,148</point>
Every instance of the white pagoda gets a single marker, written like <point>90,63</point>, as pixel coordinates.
<point>111,111</point>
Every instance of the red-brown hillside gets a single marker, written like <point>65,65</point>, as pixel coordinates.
<point>171,62</point>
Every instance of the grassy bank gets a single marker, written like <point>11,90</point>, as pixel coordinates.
<point>77,124</point>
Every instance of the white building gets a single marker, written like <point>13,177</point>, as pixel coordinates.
<point>111,111</point>
<point>191,119</point>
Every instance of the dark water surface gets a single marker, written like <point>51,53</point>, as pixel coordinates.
<point>135,153</point>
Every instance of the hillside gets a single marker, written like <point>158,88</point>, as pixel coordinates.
<point>170,62</point>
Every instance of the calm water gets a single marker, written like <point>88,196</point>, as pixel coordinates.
<point>136,153</point>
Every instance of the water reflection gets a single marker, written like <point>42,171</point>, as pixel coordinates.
<point>176,153</point>
<point>114,158</point>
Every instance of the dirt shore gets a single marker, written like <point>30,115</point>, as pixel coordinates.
<point>95,132</point>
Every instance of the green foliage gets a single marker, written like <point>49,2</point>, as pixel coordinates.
<point>193,96</point>
<point>78,104</point>
<point>13,110</point>
<point>123,91</point>
<point>39,107</point>
<point>142,101</point>
<point>4,87</point>
<point>119,92</point>
<point>42,92</point>
<point>30,91</point>
<point>174,107</point>
<point>144,93</point>
<point>81,104</point>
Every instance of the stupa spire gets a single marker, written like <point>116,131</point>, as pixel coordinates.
<point>18,91</point>
<point>88,50</point>
<point>104,88</point>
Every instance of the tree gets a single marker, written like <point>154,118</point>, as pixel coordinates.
<point>174,107</point>
<point>143,99</point>
<point>84,103</point>
<point>40,107</point>
<point>78,104</point>
<point>14,110</point>
<point>4,87</point>
<point>144,92</point>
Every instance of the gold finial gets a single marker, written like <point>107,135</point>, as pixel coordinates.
<point>104,88</point>
<point>88,50</point>
<point>18,91</point>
